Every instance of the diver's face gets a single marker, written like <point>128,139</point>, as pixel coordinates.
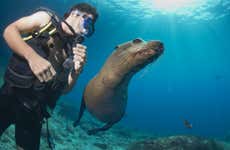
<point>81,22</point>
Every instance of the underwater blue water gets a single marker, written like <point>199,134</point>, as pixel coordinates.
<point>191,80</point>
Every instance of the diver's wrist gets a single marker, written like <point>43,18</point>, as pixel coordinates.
<point>30,55</point>
<point>76,71</point>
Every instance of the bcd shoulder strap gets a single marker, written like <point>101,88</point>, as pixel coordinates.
<point>54,22</point>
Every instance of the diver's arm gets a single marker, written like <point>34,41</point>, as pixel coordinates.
<point>12,35</point>
<point>72,78</point>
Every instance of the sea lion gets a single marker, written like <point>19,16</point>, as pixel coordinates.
<point>105,96</point>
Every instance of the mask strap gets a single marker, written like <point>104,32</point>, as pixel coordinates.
<point>70,27</point>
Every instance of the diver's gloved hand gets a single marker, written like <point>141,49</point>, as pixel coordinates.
<point>41,68</point>
<point>79,57</point>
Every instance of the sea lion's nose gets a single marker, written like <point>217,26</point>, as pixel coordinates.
<point>159,47</point>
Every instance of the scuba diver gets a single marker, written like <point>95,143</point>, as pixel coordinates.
<point>47,59</point>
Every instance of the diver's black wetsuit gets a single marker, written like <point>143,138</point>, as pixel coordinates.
<point>24,101</point>
<point>26,108</point>
<point>23,98</point>
<point>27,119</point>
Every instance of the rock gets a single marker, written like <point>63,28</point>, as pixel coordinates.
<point>101,146</point>
<point>176,143</point>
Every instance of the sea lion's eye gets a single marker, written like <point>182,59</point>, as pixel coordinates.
<point>136,41</point>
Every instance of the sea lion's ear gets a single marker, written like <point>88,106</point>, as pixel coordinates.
<point>137,40</point>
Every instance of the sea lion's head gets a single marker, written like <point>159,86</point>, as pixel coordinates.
<point>136,54</point>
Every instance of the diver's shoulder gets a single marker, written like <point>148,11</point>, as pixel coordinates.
<point>42,16</point>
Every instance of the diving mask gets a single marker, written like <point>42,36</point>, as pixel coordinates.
<point>87,26</point>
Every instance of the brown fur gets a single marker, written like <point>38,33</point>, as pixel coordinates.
<point>105,95</point>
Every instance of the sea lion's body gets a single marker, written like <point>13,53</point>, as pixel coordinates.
<point>107,103</point>
<point>105,96</point>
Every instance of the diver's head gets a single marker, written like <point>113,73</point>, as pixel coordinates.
<point>81,17</point>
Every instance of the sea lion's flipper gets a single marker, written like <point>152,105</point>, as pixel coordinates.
<point>104,128</point>
<point>81,112</point>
